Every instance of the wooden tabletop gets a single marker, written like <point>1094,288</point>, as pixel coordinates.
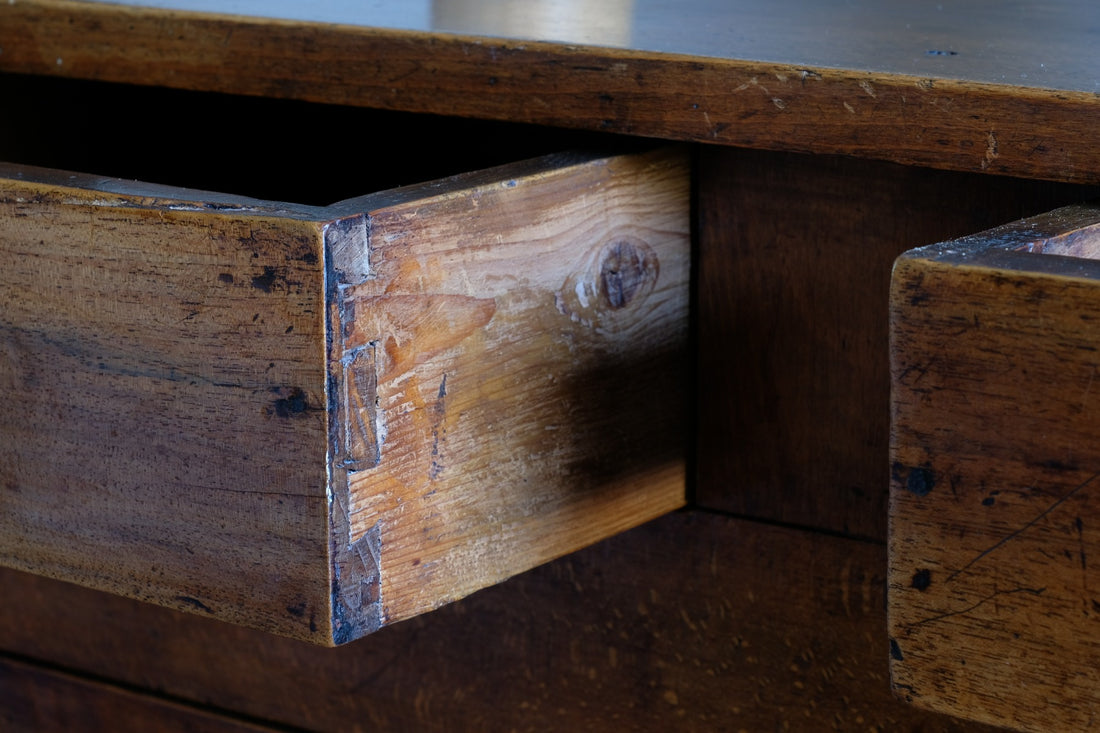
<point>1026,44</point>
<point>1000,87</point>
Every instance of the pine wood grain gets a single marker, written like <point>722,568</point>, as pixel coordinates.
<point>316,421</point>
<point>992,594</point>
<point>679,624</point>
<point>524,342</point>
<point>832,104</point>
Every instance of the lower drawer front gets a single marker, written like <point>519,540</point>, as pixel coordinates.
<point>995,512</point>
<point>319,420</point>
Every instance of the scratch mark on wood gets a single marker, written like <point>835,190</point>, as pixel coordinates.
<point>1080,527</point>
<point>195,603</point>
<point>804,74</point>
<point>991,152</point>
<point>435,467</point>
<point>982,601</point>
<point>1012,535</point>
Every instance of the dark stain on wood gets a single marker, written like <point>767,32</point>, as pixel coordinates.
<point>921,481</point>
<point>922,579</point>
<point>293,405</point>
<point>266,281</point>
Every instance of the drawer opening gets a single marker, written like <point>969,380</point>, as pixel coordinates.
<point>271,149</point>
<point>316,419</point>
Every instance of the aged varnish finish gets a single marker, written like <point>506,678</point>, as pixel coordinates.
<point>827,138</point>
<point>316,421</point>
<point>994,341</point>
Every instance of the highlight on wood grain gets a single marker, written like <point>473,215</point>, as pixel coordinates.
<point>319,420</point>
<point>995,467</point>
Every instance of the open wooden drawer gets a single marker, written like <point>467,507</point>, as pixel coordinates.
<point>317,420</point>
<point>994,598</point>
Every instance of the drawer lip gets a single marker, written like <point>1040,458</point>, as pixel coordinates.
<point>155,195</point>
<point>309,558</point>
<point>993,342</point>
<point>1013,246</point>
<point>137,193</point>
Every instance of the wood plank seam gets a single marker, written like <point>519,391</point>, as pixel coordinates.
<point>86,676</point>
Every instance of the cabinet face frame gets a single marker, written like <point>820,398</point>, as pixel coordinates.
<point>319,420</point>
<point>994,464</point>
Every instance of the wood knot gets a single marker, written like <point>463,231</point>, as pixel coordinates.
<point>626,268</point>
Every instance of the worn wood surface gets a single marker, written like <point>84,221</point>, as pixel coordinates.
<point>520,349</point>
<point>34,699</point>
<point>162,360</point>
<point>316,421</point>
<point>677,625</point>
<point>1047,46</point>
<point>793,374</point>
<point>993,595</point>
<point>934,113</point>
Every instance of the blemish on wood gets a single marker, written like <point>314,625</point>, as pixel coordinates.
<point>194,603</point>
<point>918,480</point>
<point>991,150</point>
<point>626,268</point>
<point>266,281</point>
<point>1004,409</point>
<point>294,402</point>
<point>922,579</point>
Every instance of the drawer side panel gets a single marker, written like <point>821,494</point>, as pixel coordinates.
<point>526,342</point>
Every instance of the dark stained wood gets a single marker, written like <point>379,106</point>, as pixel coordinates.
<point>678,625</point>
<point>162,358</point>
<point>1023,44</point>
<point>993,592</point>
<point>794,264</point>
<point>38,700</point>
<point>966,123</point>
